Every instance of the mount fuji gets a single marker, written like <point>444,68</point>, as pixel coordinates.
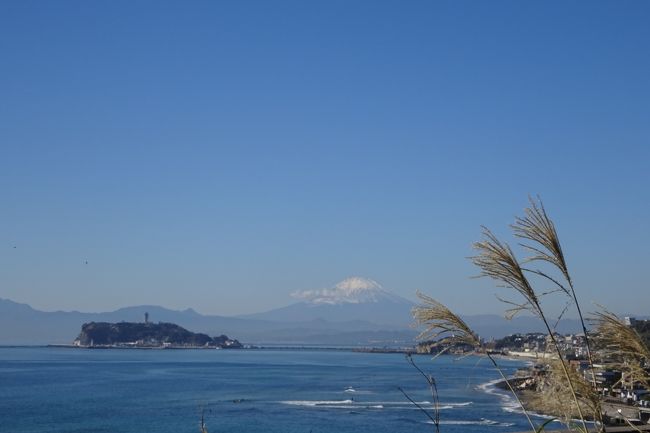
<point>354,299</point>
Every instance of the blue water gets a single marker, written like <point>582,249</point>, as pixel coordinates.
<point>162,391</point>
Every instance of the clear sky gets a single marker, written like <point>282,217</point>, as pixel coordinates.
<point>221,155</point>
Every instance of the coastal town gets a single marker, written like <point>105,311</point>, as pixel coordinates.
<point>624,397</point>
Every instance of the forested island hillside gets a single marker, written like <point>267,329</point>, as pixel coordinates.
<point>130,334</point>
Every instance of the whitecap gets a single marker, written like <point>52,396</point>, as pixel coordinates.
<point>352,390</point>
<point>313,403</point>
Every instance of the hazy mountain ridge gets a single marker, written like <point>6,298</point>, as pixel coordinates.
<point>356,311</point>
<point>21,324</point>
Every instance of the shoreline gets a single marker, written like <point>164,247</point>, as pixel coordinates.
<point>498,387</point>
<point>525,398</point>
<point>385,350</point>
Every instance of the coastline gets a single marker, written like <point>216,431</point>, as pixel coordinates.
<point>500,387</point>
<point>509,403</point>
<point>384,350</point>
<point>118,347</point>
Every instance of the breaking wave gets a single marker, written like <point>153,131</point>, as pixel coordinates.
<point>355,404</point>
<point>508,402</point>
<point>482,421</point>
<point>313,403</point>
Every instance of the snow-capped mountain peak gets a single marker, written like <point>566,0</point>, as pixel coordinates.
<point>353,290</point>
<point>357,284</point>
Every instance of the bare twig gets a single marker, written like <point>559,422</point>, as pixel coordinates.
<point>433,388</point>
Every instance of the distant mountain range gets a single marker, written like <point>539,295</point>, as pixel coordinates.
<point>355,312</point>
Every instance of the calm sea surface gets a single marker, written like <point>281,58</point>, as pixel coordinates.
<point>162,391</point>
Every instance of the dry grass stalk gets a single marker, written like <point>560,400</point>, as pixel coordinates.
<point>497,261</point>
<point>567,393</point>
<point>443,325</point>
<point>554,395</point>
<point>621,344</point>
<point>536,226</point>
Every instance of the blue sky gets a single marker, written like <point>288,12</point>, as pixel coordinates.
<point>221,155</point>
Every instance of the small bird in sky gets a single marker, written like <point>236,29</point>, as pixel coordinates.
<point>86,262</point>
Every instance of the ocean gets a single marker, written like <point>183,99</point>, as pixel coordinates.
<point>284,391</point>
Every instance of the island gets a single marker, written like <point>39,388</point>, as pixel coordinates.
<point>148,335</point>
